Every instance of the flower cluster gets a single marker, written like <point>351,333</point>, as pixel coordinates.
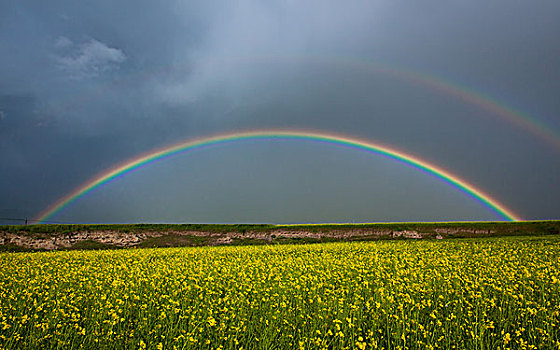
<point>462,294</point>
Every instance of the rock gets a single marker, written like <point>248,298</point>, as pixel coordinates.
<point>407,234</point>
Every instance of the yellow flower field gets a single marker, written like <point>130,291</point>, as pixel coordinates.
<point>460,294</point>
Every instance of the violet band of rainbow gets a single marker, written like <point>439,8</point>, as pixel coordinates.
<point>486,200</point>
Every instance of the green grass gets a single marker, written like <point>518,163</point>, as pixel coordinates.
<point>91,244</point>
<point>13,248</point>
<point>501,228</point>
<point>174,240</point>
<point>45,230</point>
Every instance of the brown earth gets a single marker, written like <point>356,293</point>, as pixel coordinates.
<point>53,237</point>
<point>132,239</point>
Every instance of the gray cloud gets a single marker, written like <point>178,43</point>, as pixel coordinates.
<point>245,35</point>
<point>63,42</point>
<point>89,59</point>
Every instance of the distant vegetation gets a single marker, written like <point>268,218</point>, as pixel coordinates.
<point>69,228</point>
<point>510,228</point>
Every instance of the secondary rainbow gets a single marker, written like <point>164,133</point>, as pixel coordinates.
<point>448,87</point>
<point>130,165</point>
<point>502,109</point>
<point>486,102</point>
<point>470,96</point>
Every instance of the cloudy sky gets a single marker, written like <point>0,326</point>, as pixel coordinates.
<point>87,85</point>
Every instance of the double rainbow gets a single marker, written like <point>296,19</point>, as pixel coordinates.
<point>130,165</point>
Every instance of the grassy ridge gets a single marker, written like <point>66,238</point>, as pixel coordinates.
<point>46,229</point>
<point>500,228</point>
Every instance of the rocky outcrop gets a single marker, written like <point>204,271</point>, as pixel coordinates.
<point>67,240</point>
<point>407,234</point>
<point>463,230</point>
<point>98,236</point>
<point>131,239</point>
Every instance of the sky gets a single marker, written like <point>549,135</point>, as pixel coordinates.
<point>85,86</point>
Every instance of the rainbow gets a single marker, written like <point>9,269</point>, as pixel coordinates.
<point>385,151</point>
<point>483,101</point>
<point>447,87</point>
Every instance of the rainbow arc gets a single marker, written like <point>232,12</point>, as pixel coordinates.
<point>130,165</point>
<point>473,96</point>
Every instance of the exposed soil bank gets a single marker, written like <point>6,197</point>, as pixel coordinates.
<point>52,237</point>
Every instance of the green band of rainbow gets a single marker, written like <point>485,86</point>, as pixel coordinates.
<point>385,151</point>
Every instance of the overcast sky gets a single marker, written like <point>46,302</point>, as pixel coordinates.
<point>86,85</point>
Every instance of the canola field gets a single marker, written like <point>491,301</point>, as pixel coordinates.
<point>499,293</point>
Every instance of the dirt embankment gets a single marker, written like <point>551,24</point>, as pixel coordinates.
<point>67,240</point>
<point>130,239</point>
<point>52,237</point>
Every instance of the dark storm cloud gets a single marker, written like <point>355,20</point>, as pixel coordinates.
<point>84,86</point>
